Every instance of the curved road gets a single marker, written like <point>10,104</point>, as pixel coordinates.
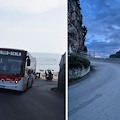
<point>97,96</point>
<point>37,103</point>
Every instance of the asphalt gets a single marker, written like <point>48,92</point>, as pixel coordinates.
<point>97,96</point>
<point>37,103</point>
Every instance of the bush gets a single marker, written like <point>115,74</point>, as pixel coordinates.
<point>77,61</point>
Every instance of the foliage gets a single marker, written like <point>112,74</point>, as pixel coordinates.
<point>117,55</point>
<point>77,61</point>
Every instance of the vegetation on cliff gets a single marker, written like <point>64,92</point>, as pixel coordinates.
<point>77,61</point>
<point>117,55</point>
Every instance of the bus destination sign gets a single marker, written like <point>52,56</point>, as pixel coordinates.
<point>11,53</point>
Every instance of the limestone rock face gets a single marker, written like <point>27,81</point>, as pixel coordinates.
<point>76,32</point>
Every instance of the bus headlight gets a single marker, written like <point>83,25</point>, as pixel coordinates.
<point>16,81</point>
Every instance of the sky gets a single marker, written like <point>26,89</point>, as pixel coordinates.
<point>33,25</point>
<point>102,19</point>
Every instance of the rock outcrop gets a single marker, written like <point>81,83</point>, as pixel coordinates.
<point>76,31</point>
<point>117,55</point>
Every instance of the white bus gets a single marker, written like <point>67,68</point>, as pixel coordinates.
<point>17,69</point>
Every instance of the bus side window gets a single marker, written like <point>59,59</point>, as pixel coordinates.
<point>28,62</point>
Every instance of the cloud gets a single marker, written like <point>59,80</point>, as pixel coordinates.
<point>102,20</point>
<point>33,32</point>
<point>104,14</point>
<point>103,48</point>
<point>30,6</point>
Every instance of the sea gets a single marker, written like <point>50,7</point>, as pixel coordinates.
<point>47,61</point>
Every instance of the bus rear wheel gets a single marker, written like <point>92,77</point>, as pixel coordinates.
<point>27,86</point>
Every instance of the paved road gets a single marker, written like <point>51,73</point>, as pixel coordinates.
<point>97,97</point>
<point>37,103</point>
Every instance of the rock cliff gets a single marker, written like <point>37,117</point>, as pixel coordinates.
<point>76,30</point>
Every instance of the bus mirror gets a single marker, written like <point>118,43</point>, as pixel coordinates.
<point>28,62</point>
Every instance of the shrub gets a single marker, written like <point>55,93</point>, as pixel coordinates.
<point>77,61</point>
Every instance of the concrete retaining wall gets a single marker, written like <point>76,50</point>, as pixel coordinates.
<point>113,60</point>
<point>116,60</point>
<point>75,73</point>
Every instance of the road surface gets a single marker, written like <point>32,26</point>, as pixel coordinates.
<point>97,96</point>
<point>37,103</point>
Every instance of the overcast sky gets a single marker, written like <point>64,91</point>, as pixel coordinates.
<point>102,19</point>
<point>33,25</point>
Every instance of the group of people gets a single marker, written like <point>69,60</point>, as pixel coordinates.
<point>48,75</point>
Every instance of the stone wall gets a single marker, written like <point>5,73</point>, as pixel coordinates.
<point>76,31</point>
<point>61,76</point>
<point>76,73</point>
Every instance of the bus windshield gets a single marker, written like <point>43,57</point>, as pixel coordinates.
<point>11,65</point>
